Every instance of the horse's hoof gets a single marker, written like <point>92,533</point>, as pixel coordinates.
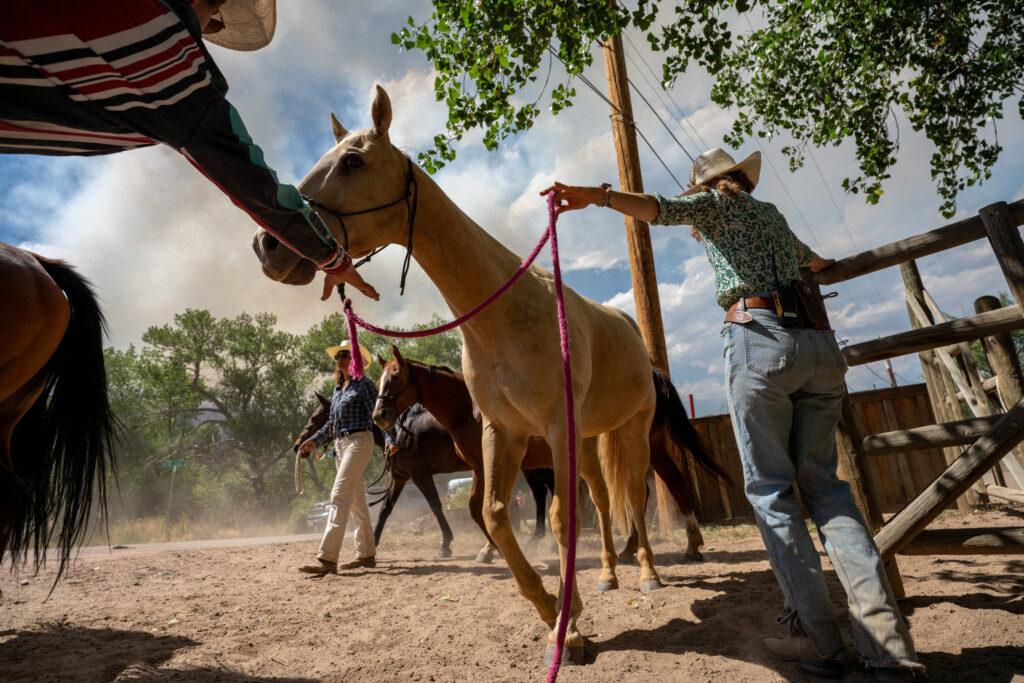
<point>484,557</point>
<point>692,556</point>
<point>629,559</point>
<point>605,586</point>
<point>571,656</point>
<point>443,554</point>
<point>650,585</point>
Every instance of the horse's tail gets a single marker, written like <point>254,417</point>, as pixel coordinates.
<point>615,468</point>
<point>670,414</point>
<point>64,445</point>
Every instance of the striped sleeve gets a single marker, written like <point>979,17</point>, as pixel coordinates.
<point>91,78</point>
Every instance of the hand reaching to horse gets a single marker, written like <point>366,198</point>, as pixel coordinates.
<point>572,197</point>
<point>350,276</point>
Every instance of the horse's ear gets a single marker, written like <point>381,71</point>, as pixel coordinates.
<point>381,112</point>
<point>397,354</point>
<point>382,360</point>
<point>338,129</point>
<point>324,401</point>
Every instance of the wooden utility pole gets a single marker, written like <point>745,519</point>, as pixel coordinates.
<point>638,236</point>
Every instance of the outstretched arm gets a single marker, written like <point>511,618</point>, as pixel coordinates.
<point>643,207</point>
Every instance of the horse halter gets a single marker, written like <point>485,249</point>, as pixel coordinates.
<point>392,397</point>
<point>411,198</point>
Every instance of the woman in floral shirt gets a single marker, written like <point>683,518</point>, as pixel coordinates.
<point>785,386</point>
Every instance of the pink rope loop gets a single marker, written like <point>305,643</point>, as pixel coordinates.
<point>356,369</point>
<point>565,609</point>
<point>355,366</point>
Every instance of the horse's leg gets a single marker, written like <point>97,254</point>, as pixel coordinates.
<point>397,484</point>
<point>503,452</point>
<point>540,481</point>
<point>679,486</point>
<point>634,438</point>
<point>476,511</point>
<point>557,439</point>
<point>590,470</point>
<point>628,554</point>
<point>425,483</point>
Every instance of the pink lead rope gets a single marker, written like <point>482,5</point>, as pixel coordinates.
<point>356,368</point>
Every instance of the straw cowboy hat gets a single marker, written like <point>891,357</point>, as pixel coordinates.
<point>346,345</point>
<point>716,162</point>
<point>248,24</point>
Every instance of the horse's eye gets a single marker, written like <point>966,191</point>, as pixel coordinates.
<point>351,162</point>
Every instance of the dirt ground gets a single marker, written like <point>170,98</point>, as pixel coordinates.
<point>240,612</point>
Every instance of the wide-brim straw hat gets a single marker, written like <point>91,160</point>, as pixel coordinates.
<point>716,162</point>
<point>248,24</point>
<point>346,345</point>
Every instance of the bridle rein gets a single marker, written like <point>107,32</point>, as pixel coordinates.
<point>410,198</point>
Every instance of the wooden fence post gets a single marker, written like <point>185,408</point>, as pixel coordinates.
<point>936,378</point>
<point>1002,358</point>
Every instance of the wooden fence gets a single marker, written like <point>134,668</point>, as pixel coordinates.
<point>897,480</point>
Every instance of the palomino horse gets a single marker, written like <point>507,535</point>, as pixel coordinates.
<point>443,392</point>
<point>56,430</point>
<point>511,357</point>
<point>423,448</point>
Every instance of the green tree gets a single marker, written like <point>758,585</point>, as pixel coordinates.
<point>241,386</point>
<point>824,72</point>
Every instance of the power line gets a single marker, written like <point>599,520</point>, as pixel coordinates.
<point>661,86</point>
<point>622,117</point>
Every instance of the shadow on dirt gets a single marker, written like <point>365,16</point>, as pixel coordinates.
<point>57,652</point>
<point>728,624</point>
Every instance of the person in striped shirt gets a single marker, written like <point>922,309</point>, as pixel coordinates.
<point>87,78</point>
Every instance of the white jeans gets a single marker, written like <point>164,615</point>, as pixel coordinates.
<point>348,494</point>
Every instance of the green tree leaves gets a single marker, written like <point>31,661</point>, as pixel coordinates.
<point>227,395</point>
<point>826,72</point>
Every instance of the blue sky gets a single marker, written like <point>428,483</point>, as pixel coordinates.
<point>156,238</point>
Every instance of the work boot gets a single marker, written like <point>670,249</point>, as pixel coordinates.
<point>321,568</point>
<point>798,648</point>
<point>369,562</point>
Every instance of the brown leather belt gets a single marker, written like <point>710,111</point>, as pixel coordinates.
<point>737,315</point>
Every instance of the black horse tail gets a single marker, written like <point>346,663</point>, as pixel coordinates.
<point>671,414</point>
<point>63,448</point>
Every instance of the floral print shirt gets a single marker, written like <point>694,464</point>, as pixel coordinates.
<point>739,235</point>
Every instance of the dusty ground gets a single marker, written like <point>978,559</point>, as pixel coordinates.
<point>239,612</point>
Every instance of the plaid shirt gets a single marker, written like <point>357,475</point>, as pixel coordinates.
<point>351,408</point>
<point>89,78</point>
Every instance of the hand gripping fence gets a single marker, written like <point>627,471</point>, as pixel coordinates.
<point>570,418</point>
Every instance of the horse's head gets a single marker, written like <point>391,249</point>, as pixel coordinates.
<point>315,422</point>
<point>362,171</point>
<point>397,390</point>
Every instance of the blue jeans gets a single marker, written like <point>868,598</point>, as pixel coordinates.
<point>785,389</point>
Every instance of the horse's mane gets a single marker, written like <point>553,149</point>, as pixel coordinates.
<point>439,369</point>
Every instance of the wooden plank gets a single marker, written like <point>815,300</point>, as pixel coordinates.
<point>943,334</point>
<point>905,390</point>
<point>989,384</point>
<point>980,541</point>
<point>1003,493</point>
<point>901,251</point>
<point>933,436</point>
<point>958,477</point>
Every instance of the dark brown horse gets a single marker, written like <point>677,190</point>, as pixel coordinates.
<point>56,430</point>
<point>443,392</point>
<point>424,448</point>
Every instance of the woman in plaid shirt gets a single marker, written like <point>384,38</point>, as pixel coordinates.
<point>350,426</point>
